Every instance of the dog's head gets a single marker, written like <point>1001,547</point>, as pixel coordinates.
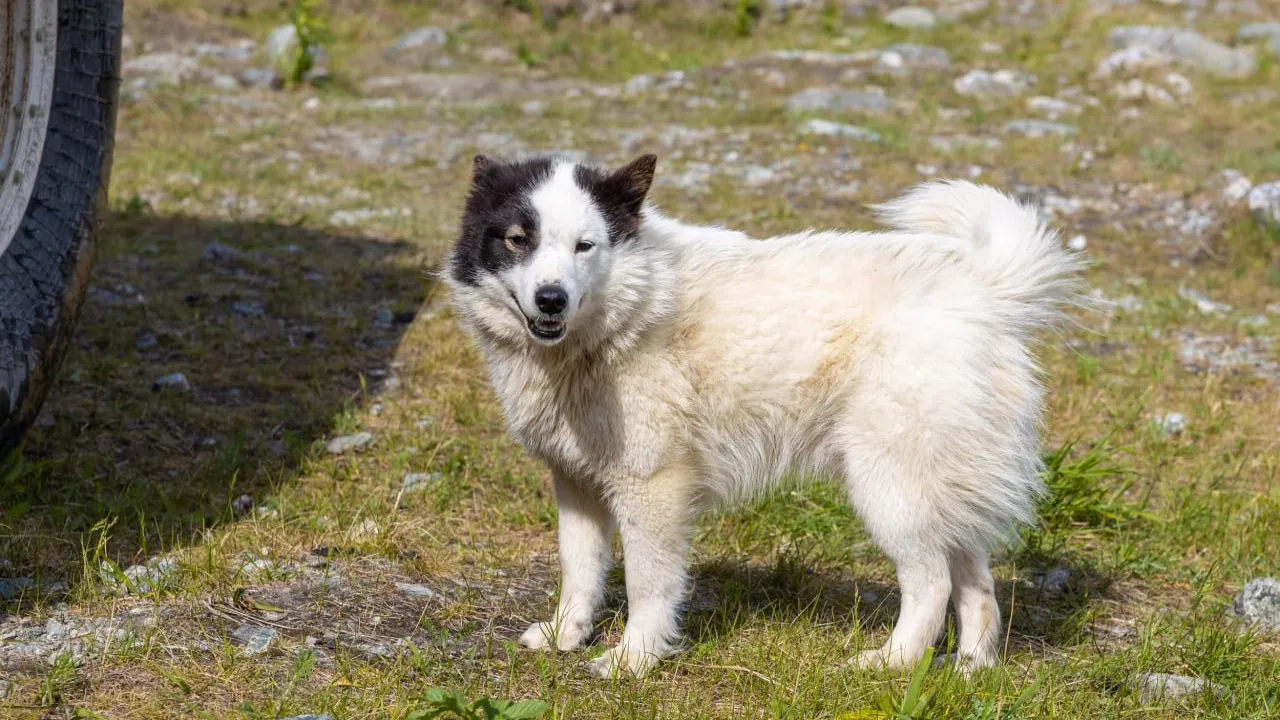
<point>539,239</point>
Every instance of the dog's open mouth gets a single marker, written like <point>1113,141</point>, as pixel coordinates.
<point>545,329</point>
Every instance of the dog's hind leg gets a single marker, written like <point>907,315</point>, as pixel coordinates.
<point>654,518</point>
<point>586,552</point>
<point>898,516</point>
<point>976,608</point>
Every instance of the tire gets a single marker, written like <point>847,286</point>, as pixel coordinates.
<point>55,162</point>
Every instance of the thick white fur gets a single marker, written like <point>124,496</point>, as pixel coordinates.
<point>703,365</point>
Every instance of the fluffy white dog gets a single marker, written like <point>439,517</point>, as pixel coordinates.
<point>660,368</point>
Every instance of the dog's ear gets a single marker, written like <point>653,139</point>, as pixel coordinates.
<point>631,183</point>
<point>481,166</point>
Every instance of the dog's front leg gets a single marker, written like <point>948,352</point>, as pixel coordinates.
<point>653,518</point>
<point>586,552</point>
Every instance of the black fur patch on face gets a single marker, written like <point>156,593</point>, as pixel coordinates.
<point>496,203</point>
<point>619,194</point>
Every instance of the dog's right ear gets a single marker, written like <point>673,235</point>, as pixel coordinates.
<point>480,167</point>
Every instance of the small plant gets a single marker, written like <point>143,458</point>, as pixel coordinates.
<point>441,703</point>
<point>916,704</point>
<point>310,28</point>
<point>56,684</point>
<point>1079,493</point>
<point>746,13</point>
<point>990,708</point>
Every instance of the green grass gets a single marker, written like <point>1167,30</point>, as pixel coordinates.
<point>1154,532</point>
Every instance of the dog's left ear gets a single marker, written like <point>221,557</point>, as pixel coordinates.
<point>634,180</point>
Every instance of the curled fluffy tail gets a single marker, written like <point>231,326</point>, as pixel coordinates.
<point>1014,253</point>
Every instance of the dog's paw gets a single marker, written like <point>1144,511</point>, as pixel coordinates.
<point>619,661</point>
<point>546,635</point>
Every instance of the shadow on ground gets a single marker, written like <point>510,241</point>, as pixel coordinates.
<point>278,332</point>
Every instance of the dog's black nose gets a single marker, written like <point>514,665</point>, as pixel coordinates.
<point>551,299</point>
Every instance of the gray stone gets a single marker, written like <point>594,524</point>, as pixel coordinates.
<point>423,37</point>
<point>1257,32</point>
<point>174,381</point>
<point>242,505</point>
<point>1188,48</point>
<point>281,44</point>
<point>1258,604</point>
<point>1264,203</point>
<point>414,482</point>
<point>415,590</point>
<point>1171,424</point>
<point>1202,302</point>
<point>1038,128</point>
<point>13,588</point>
<point>157,574</point>
<point>161,68</point>
<point>225,83</point>
<point>828,128</point>
<point>838,100</point>
<point>260,78</point>
<point>218,251</point>
<point>1131,60</point>
<point>1001,83</point>
<point>905,58</point>
<point>1055,581</point>
<point>247,309</point>
<point>145,341</point>
<point>254,641</point>
<point>1155,687</point>
<point>348,443</point>
<point>911,18</point>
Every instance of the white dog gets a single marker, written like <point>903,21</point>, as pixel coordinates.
<point>660,368</point>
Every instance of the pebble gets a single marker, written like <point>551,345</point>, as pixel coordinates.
<point>155,575</point>
<point>1154,687</point>
<point>1258,604</point>
<point>348,443</point>
<point>1051,107</point>
<point>414,482</point>
<point>218,251</point>
<point>242,505</point>
<point>1037,128</point>
<point>903,58</point>
<point>1188,48</point>
<point>1132,60</point>
<point>1264,203</point>
<point>174,381</point>
<point>423,37</point>
<point>827,128</point>
<point>1203,303</point>
<point>415,590</point>
<point>838,100</point>
<point>1232,186</point>
<point>260,78</point>
<point>1171,424</point>
<point>255,640</point>
<point>911,18</point>
<point>1257,32</point>
<point>146,341</point>
<point>981,83</point>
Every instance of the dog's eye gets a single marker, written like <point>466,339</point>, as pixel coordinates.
<point>516,239</point>
<point>584,246</point>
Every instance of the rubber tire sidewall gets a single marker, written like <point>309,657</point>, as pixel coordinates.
<point>45,270</point>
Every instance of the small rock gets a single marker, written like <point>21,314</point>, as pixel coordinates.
<point>1001,83</point>
<point>161,68</point>
<point>260,78</point>
<point>1171,424</point>
<point>1188,48</point>
<point>1202,302</point>
<point>415,590</point>
<point>1037,128</point>
<point>13,588</point>
<point>1257,32</point>
<point>911,18</point>
<point>242,505</point>
<point>1132,60</point>
<point>1050,107</point>
<point>174,381</point>
<point>348,443</point>
<point>497,55</point>
<point>281,44</point>
<point>247,309</point>
<point>1264,203</point>
<point>225,83</point>
<point>45,418</point>
<point>838,100</point>
<point>1154,687</point>
<point>413,482</point>
<point>1258,604</point>
<point>903,58</point>
<point>423,37</point>
<point>828,128</point>
<point>218,251</point>
<point>1078,243</point>
<point>1232,186</point>
<point>255,641</point>
<point>155,575</point>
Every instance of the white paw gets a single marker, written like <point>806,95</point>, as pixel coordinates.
<point>882,658</point>
<point>544,635</point>
<point>619,661</point>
